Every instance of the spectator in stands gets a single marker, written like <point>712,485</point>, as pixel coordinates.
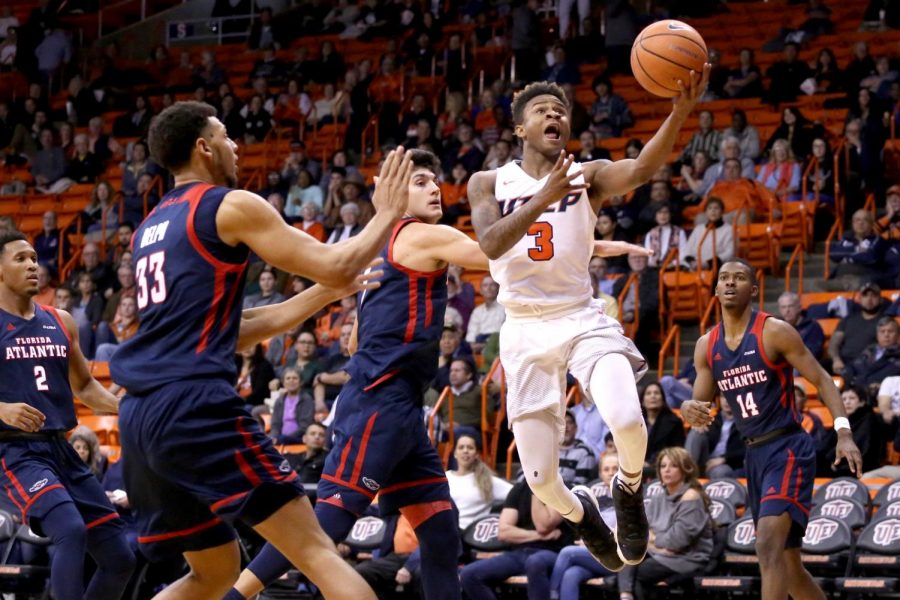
<point>81,104</point>
<point>339,165</point>
<point>879,84</point>
<point>87,445</point>
<point>460,294</point>
<point>790,311</point>
<point>536,533</point>
<point>692,175</point>
<point>101,215</point>
<point>330,107</point>
<point>730,149</point>
<point>329,327</point>
<point>53,53</point>
<point>46,243</point>
<point>84,166</point>
<point>230,115</point>
<point>125,276</point>
<point>724,238</point>
<point>270,67</point>
<point>786,75</point>
<point>610,114</point>
<point>265,33</point>
<point>858,330</point>
<point>120,328</point>
<point>309,221</point>
<point>592,429</point>
<point>718,448</point>
<point>664,237</point>
<point>597,268</point>
<point>664,428</point>
<point>706,139</point>
<point>140,202</point>
<point>139,164</point>
<point>607,228</point>
<point>103,146</point>
<point>349,226</point>
<point>48,167</point>
<point>866,428</point>
<point>860,67</point>
<point>99,271</point>
<point>464,150</point>
<point>298,160</point>
<point>589,150</point>
<point>878,361</point>
<point>254,375</point>
<point>829,78</point>
<point>293,411</point>
<point>63,299</point>
<point>561,70</point>
<point>798,131</point>
<point>452,346</point>
<point>258,121</point>
<point>681,527</point>
<point>473,486</point>
<point>466,400</point>
<point>810,421</point>
<point>525,40</point>
<point>487,317</point>
<point>889,402</point>
<point>8,49</point>
<point>137,122</point>
<point>267,293</point>
<point>858,256</point>
<point>746,80</point>
<point>577,461</point>
<point>781,173</point>
<point>328,383</point>
<point>621,30</point>
<point>648,296</point>
<point>819,181</point>
<point>304,191</point>
<point>310,463</point>
<point>303,357</point>
<point>46,292</point>
<point>87,312</point>
<point>747,135</point>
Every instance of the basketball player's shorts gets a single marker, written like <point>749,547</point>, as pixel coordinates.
<point>39,475</point>
<point>780,477</point>
<point>538,346</point>
<point>195,460</point>
<point>381,446</point>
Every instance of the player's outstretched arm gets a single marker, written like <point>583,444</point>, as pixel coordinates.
<point>84,386</point>
<point>608,248</point>
<point>246,218</point>
<point>787,342</point>
<point>261,323</point>
<point>497,234</point>
<point>620,177</point>
<point>697,410</point>
<point>443,244</point>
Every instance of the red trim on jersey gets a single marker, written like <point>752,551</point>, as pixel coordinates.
<point>711,343</point>
<point>348,485</point>
<point>344,454</point>
<point>102,520</point>
<point>162,537</point>
<point>231,297</point>
<point>210,321</point>
<point>413,309</point>
<point>34,498</point>
<point>13,498</point>
<point>381,380</point>
<point>15,481</point>
<point>408,484</point>
<point>793,501</point>
<point>246,469</point>
<point>799,479</point>
<point>363,445</point>
<point>429,284</point>
<point>757,330</point>
<point>417,514</point>
<point>334,501</point>
<point>390,252</point>
<point>193,196</point>
<point>786,480</point>
<point>59,320</point>
<point>215,506</point>
<point>257,451</point>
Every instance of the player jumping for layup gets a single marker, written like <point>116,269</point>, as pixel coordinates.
<point>194,458</point>
<point>750,359</point>
<point>535,220</point>
<point>43,476</point>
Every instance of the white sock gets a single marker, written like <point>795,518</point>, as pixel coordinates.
<point>537,440</point>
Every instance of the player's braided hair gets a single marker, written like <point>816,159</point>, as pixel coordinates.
<point>532,91</point>
<point>174,131</point>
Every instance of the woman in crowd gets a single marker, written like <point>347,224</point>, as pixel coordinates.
<point>302,192</point>
<point>85,442</point>
<point>664,428</point>
<point>798,131</point>
<point>254,375</point>
<point>665,237</point>
<point>473,486</point>
<point>293,410</point>
<point>781,175</point>
<point>309,221</point>
<point>866,428</point>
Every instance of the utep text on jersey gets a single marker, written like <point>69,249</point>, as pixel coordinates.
<point>189,289</point>
<point>36,366</point>
<point>760,392</point>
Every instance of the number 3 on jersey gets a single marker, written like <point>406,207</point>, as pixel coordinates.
<point>748,406</point>
<point>147,267</point>
<point>542,232</point>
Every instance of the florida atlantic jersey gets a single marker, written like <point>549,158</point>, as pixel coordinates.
<point>189,289</point>
<point>548,266</point>
<point>400,323</point>
<point>759,391</point>
<point>36,366</point>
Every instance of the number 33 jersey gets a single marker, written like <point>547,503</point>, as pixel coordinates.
<point>759,391</point>
<point>549,265</point>
<point>189,287</point>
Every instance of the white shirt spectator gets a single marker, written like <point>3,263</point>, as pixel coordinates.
<point>465,493</point>
<point>592,429</point>
<point>489,316</point>
<point>890,388</point>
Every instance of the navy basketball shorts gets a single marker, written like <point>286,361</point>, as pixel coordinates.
<point>39,475</point>
<point>381,446</point>
<point>780,477</point>
<point>195,460</point>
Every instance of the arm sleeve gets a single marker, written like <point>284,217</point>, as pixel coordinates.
<point>688,521</point>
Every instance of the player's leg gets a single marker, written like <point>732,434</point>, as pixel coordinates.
<point>66,530</point>
<point>801,584</point>
<point>212,571</point>
<point>436,527</point>
<point>294,531</point>
<point>771,536</point>
<point>115,564</point>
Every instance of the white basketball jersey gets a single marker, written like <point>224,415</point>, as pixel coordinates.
<point>549,265</point>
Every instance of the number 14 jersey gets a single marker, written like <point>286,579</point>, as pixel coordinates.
<point>759,391</point>
<point>189,287</point>
<point>549,265</point>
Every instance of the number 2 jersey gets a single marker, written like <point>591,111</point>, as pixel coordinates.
<point>549,265</point>
<point>759,391</point>
<point>36,366</point>
<point>189,289</point>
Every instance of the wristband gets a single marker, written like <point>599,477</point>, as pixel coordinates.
<point>841,423</point>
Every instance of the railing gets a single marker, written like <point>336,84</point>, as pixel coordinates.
<point>631,329</point>
<point>208,30</point>
<point>796,256</point>
<point>574,396</point>
<point>370,130</point>
<point>673,339</point>
<point>509,463</point>
<point>490,433</point>
<point>712,307</point>
<point>838,192</point>
<point>446,396</point>
<point>835,229</point>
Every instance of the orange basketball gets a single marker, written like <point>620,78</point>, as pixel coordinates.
<point>665,52</point>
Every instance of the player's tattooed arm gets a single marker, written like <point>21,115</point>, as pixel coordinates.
<point>496,233</point>
<point>696,411</point>
<point>84,386</point>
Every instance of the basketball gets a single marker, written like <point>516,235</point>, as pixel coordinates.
<point>665,52</point>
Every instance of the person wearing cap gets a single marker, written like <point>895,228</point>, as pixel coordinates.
<point>296,161</point>
<point>889,224</point>
<point>858,330</point>
<point>858,256</point>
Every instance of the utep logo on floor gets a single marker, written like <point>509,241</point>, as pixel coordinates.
<point>818,531</point>
<point>887,532</point>
<point>745,533</point>
<point>840,489</point>
<point>365,528</point>
<point>486,530</point>
<point>837,508</point>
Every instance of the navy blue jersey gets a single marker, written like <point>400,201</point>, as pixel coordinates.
<point>36,366</point>
<point>760,392</point>
<point>189,289</point>
<point>400,323</point>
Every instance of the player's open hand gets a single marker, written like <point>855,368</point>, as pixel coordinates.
<point>846,448</point>
<point>690,92</point>
<point>22,416</point>
<point>696,413</point>
<point>603,248</point>
<point>560,182</point>
<point>367,280</point>
<point>392,183</point>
